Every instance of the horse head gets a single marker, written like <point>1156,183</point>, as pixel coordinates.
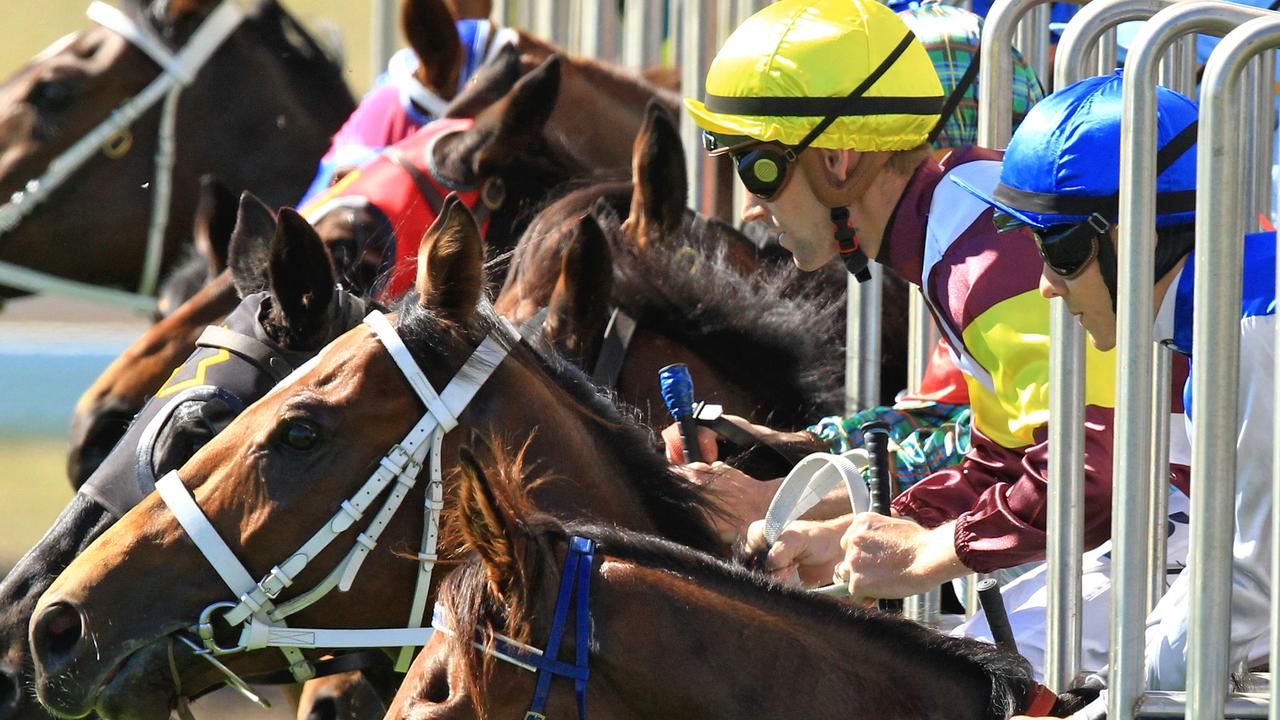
<point>553,605</point>
<point>268,85</point>
<point>290,309</point>
<point>341,428</point>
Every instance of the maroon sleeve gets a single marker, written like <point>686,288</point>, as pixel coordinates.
<point>998,497</point>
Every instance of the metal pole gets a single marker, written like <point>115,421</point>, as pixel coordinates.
<point>385,35</point>
<point>698,47</point>
<point>1133,429</point>
<point>642,33</point>
<point>598,29</point>
<point>1079,50</point>
<point>862,342</point>
<point>1217,344</point>
<point>1261,136</point>
<point>922,337</point>
<point>1032,39</point>
<point>1157,542</point>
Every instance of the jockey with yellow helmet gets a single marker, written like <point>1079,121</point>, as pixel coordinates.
<point>825,108</point>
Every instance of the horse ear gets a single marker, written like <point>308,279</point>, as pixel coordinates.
<point>491,82</point>
<point>521,116</point>
<point>302,278</point>
<point>579,304</point>
<point>432,32</point>
<point>250,247</point>
<point>450,262</point>
<point>491,527</point>
<point>215,220</point>
<point>660,192</point>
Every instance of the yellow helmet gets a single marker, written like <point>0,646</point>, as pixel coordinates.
<point>798,62</point>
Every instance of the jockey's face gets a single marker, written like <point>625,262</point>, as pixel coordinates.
<point>803,219</point>
<point>1087,298</point>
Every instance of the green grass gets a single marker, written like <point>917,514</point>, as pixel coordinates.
<point>33,490</point>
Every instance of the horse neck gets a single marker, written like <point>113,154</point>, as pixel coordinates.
<point>849,668</point>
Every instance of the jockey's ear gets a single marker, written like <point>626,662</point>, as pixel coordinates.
<point>492,517</point>
<point>302,283</point>
<point>579,306</point>
<point>215,220</point>
<point>432,31</point>
<point>450,263</point>
<point>250,248</point>
<point>660,192</point>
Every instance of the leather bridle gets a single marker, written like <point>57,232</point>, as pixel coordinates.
<point>575,592</point>
<point>614,343</point>
<point>256,609</point>
<point>178,70</point>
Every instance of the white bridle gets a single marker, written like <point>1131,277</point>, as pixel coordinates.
<point>178,70</point>
<point>255,610</point>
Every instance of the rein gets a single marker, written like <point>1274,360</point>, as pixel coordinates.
<point>614,343</point>
<point>178,70</point>
<point>575,592</point>
<point>261,621</point>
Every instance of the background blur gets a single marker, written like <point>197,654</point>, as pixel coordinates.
<point>46,361</point>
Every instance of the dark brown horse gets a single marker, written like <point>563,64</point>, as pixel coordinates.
<point>290,309</point>
<point>258,114</point>
<point>674,633</point>
<point>100,637</point>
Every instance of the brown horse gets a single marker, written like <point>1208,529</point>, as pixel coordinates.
<point>268,86</point>
<point>755,338</point>
<point>674,633</point>
<point>100,636</point>
<point>290,311</point>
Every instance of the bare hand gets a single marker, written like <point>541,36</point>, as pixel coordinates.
<point>741,497</point>
<point>887,557</point>
<point>805,552</point>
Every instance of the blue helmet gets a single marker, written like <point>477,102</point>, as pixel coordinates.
<point>1063,163</point>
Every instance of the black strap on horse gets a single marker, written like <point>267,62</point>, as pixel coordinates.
<point>711,416</point>
<point>957,94</point>
<point>613,348</point>
<point>252,350</point>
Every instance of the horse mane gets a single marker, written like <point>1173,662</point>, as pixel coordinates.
<point>1007,674</point>
<point>677,508</point>
<point>725,315</point>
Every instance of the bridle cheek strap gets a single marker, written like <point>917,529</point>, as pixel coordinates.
<point>255,609</point>
<point>575,592</point>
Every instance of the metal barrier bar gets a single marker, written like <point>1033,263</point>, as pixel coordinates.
<point>1135,350</point>
<point>1216,340</point>
<point>599,28</point>
<point>862,341</point>
<point>922,337</point>
<point>1261,95</point>
<point>642,33</point>
<point>1157,532</point>
<point>384,35</point>
<point>1173,704</point>
<point>1032,39</point>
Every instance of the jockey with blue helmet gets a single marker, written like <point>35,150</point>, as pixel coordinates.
<point>1061,180</point>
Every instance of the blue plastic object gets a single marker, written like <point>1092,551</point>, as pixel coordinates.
<point>677,390</point>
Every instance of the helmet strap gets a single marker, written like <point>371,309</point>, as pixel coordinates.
<point>846,235</point>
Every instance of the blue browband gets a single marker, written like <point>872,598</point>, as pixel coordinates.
<point>575,588</point>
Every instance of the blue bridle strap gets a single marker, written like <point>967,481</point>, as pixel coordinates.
<point>575,590</point>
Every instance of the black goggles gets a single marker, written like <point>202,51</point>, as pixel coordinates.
<point>762,168</point>
<point>1068,249</point>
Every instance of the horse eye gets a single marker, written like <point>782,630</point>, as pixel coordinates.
<point>51,95</point>
<point>300,435</point>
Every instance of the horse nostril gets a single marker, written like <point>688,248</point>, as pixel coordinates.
<point>323,709</point>
<point>10,692</point>
<point>57,635</point>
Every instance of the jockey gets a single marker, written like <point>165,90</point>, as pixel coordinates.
<point>400,103</point>
<point>1061,178</point>
<point>825,107</point>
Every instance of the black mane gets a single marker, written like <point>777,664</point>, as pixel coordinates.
<point>678,509</point>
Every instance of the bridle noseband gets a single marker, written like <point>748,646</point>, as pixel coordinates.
<point>255,610</point>
<point>575,592</point>
<point>178,70</point>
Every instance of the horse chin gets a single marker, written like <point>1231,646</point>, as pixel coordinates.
<point>141,688</point>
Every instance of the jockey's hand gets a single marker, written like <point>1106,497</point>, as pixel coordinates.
<point>741,497</point>
<point>707,439</point>
<point>888,557</point>
<point>805,553</point>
